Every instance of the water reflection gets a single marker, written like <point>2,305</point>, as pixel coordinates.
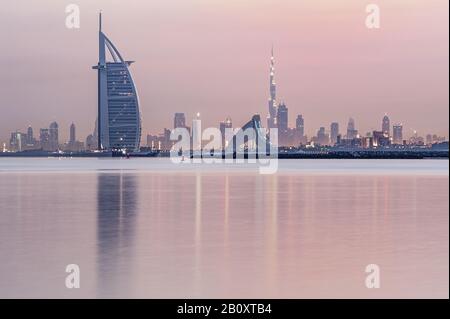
<point>202,234</point>
<point>198,230</point>
<point>116,219</point>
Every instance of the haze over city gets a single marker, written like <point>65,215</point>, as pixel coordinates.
<point>204,153</point>
<point>213,57</point>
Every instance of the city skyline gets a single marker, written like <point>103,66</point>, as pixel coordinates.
<point>111,96</point>
<point>299,77</point>
<point>118,123</point>
<point>386,137</point>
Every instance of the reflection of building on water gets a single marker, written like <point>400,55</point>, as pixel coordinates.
<point>116,214</point>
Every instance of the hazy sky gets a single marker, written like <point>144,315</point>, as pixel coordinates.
<point>212,57</point>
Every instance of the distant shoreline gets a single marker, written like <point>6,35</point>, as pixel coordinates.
<point>330,154</point>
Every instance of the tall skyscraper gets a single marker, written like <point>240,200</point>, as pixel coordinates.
<point>272,116</point>
<point>322,137</point>
<point>76,146</point>
<point>119,122</point>
<point>352,132</point>
<point>386,125</point>
<point>17,141</point>
<point>179,120</point>
<point>91,143</point>
<point>44,139</point>
<point>166,143</point>
<point>53,137</point>
<point>300,125</point>
<point>398,134</point>
<point>72,134</point>
<point>334,132</point>
<point>30,137</point>
<point>283,120</point>
<point>300,130</point>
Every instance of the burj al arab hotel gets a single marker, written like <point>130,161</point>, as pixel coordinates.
<point>119,122</point>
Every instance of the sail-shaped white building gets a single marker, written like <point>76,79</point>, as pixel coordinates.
<point>119,122</point>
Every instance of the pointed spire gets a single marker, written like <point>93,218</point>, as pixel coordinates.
<point>100,21</point>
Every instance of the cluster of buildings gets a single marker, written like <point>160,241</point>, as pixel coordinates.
<point>388,136</point>
<point>278,117</point>
<point>164,143</point>
<point>47,140</point>
<point>395,137</point>
<point>118,124</point>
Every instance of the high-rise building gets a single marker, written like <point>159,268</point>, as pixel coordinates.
<point>380,139</point>
<point>44,139</point>
<point>352,132</point>
<point>161,142</point>
<point>299,130</point>
<point>119,122</point>
<point>386,125</point>
<point>153,142</point>
<point>76,146</point>
<point>300,125</point>
<point>398,134</point>
<point>438,139</point>
<point>334,132</point>
<point>179,120</point>
<point>283,120</point>
<point>272,116</point>
<point>166,143</point>
<point>416,139</point>
<point>72,134</point>
<point>322,137</point>
<point>17,141</point>
<point>91,142</point>
<point>339,140</point>
<point>53,137</point>
<point>30,137</point>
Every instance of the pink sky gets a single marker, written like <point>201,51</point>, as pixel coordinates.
<point>212,57</point>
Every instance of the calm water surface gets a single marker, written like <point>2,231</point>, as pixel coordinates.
<point>146,228</point>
